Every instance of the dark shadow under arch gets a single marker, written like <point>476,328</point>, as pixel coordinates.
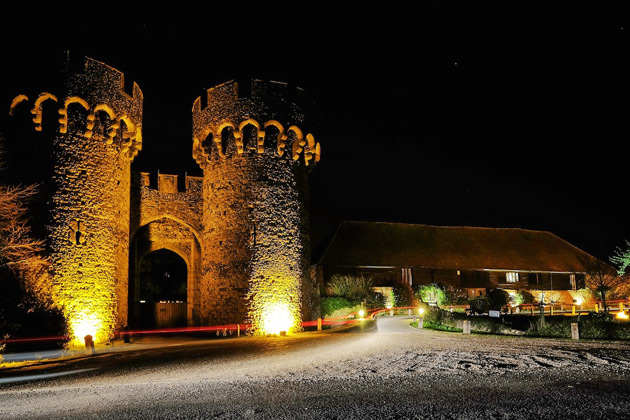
<point>161,290</point>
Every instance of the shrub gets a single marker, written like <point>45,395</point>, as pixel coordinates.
<point>430,293</point>
<point>403,294</point>
<point>522,297</point>
<point>442,295</point>
<point>488,325</point>
<point>455,296</point>
<point>479,305</point>
<point>354,288</point>
<point>498,298</point>
<point>445,318</point>
<point>592,326</point>
<point>603,326</point>
<point>344,312</point>
<point>330,305</point>
<point>554,326</point>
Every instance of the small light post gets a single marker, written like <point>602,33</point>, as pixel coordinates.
<point>89,344</point>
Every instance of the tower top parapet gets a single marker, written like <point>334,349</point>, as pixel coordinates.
<point>92,102</point>
<point>97,82</point>
<point>234,106</point>
<point>256,98</point>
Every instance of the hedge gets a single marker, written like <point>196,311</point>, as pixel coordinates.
<point>592,326</point>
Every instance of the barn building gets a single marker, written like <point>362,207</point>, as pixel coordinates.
<point>474,259</point>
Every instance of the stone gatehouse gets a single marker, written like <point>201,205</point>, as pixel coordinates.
<point>231,246</point>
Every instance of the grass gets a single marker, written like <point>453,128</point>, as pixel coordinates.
<point>592,326</point>
<point>438,327</point>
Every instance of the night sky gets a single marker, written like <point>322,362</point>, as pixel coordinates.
<point>450,114</point>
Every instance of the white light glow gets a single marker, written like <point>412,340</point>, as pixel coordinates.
<point>276,319</point>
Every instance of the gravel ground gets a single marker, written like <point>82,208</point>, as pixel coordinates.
<point>383,369</point>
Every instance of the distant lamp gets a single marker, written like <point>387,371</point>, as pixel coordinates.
<point>622,315</point>
<point>361,313</point>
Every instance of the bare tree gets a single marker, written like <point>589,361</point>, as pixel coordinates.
<point>604,280</point>
<point>26,304</point>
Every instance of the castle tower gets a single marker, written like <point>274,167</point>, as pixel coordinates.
<point>255,150</point>
<point>97,136</point>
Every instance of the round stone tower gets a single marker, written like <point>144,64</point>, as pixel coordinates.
<point>254,145</point>
<point>97,136</point>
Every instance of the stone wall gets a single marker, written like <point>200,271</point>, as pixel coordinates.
<point>167,218</point>
<point>242,229</point>
<point>255,157</point>
<point>98,135</point>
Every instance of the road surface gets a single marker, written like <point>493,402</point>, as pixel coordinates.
<point>381,369</point>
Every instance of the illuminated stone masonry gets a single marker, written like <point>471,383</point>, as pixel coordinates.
<point>241,230</point>
<point>255,154</point>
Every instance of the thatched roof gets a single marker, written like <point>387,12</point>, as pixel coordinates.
<point>365,244</point>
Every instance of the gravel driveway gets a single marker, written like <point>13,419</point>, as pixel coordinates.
<point>381,369</point>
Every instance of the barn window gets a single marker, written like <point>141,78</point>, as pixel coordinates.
<point>407,276</point>
<point>511,277</point>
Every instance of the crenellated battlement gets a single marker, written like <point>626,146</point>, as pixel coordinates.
<point>241,230</point>
<point>266,117</point>
<point>93,104</point>
<point>256,90</point>
<point>99,82</point>
<point>169,183</point>
<point>250,136</point>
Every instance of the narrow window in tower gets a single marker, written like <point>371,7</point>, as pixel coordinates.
<point>227,138</point>
<point>206,144</point>
<point>253,235</point>
<point>249,138</point>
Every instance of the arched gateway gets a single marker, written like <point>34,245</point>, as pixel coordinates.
<point>241,230</point>
<point>165,252</point>
<point>158,291</point>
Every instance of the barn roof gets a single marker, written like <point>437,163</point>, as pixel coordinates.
<point>378,244</point>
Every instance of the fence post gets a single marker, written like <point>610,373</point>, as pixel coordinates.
<point>466,327</point>
<point>319,323</point>
<point>575,331</point>
<point>238,330</point>
<point>420,322</point>
<point>573,310</point>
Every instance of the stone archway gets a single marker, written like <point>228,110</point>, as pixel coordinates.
<point>162,290</point>
<point>157,250</point>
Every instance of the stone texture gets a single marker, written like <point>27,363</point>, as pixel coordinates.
<point>256,241</point>
<point>98,135</point>
<point>242,228</point>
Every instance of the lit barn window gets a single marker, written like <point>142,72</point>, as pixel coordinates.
<point>407,277</point>
<point>511,277</point>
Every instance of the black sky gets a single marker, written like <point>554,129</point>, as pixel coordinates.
<point>451,114</point>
